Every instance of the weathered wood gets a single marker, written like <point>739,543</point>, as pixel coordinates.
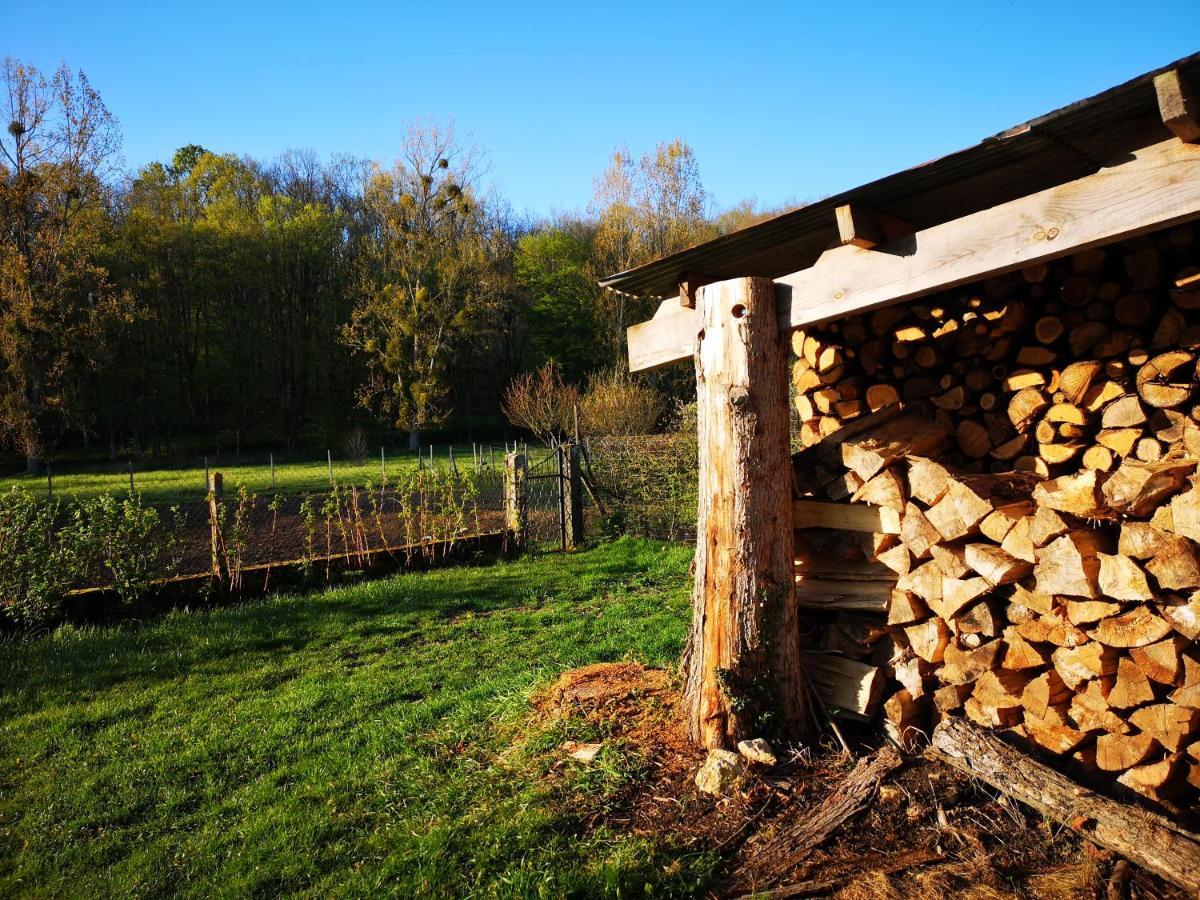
<point>1149,840</point>
<point>844,685</point>
<point>1154,187</point>
<point>745,626</point>
<point>867,228</point>
<point>1178,105</point>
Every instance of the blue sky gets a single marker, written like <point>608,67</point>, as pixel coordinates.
<point>779,101</point>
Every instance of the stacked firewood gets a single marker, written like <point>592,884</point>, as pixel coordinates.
<point>1035,443</point>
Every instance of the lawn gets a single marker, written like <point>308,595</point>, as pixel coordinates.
<point>359,741</point>
<point>184,483</point>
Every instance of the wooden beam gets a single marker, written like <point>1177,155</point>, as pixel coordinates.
<point>743,655</point>
<point>844,685</point>
<point>867,228</point>
<point>1179,106</point>
<point>689,284</point>
<point>845,516</point>
<point>1155,187</point>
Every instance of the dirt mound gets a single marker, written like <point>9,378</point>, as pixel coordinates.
<point>928,831</point>
<point>606,683</point>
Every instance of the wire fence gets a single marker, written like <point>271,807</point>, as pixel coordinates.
<point>166,482</point>
<point>644,485</point>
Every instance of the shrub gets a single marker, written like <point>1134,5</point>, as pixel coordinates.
<point>35,569</point>
<point>541,402</point>
<point>616,403</point>
<point>115,543</point>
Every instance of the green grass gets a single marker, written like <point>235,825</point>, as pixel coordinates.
<point>355,742</point>
<point>185,482</point>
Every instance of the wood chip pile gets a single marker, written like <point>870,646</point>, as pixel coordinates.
<point>1033,440</point>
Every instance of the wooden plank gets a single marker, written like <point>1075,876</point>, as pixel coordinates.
<point>1179,106</point>
<point>1155,187</point>
<point>669,337</point>
<point>845,516</point>
<point>867,228</point>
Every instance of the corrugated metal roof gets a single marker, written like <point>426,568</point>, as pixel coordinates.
<point>1066,144</point>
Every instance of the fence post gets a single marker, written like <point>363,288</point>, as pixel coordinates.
<point>272,455</point>
<point>207,482</point>
<point>514,496</point>
<point>131,478</point>
<point>49,482</point>
<point>382,467</point>
<point>572,498</point>
<point>216,491</point>
<point>329,459</point>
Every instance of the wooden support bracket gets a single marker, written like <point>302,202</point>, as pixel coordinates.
<point>868,228</point>
<point>689,284</point>
<point>1179,106</point>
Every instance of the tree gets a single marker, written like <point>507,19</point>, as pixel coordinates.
<point>425,277</point>
<point>646,208</point>
<point>58,148</point>
<point>558,300</point>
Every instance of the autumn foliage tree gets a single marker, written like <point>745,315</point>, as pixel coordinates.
<point>56,300</point>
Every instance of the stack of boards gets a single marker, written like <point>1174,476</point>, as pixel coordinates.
<point>1031,444</point>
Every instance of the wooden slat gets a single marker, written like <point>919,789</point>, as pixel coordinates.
<point>1155,187</point>
<point>845,516</point>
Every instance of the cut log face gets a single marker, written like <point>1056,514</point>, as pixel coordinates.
<point>1118,752</point>
<point>994,565</point>
<point>1168,723</point>
<point>1161,662</point>
<point>1176,566</point>
<point>1137,489</point>
<point>962,666</point>
<point>1136,628</point>
<point>1053,731</point>
<point>1188,693</point>
<point>1131,687</point>
<point>1069,565</point>
<point>1077,494</point>
<point>928,639</point>
<point>1077,665</point>
<point>1090,711</point>
<point>1122,579</point>
<point>1183,616</point>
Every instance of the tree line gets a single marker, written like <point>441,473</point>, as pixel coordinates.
<point>216,298</point>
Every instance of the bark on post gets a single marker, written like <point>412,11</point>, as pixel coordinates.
<point>514,496</point>
<point>743,657</point>
<point>572,497</point>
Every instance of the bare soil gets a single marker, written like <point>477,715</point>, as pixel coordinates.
<point>929,832</point>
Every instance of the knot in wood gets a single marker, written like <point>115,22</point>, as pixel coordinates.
<point>739,396</point>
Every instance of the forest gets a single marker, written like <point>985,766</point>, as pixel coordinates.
<point>217,300</point>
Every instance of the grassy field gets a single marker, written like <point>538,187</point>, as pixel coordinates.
<point>359,741</point>
<point>185,482</point>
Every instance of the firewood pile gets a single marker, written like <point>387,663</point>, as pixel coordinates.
<point>1033,441</point>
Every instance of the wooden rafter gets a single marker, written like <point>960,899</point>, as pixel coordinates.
<point>1155,187</point>
<point>1179,106</point>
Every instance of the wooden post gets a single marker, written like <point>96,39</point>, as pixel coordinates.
<point>49,482</point>
<point>329,460</point>
<point>216,492</point>
<point>743,675</point>
<point>131,478</point>
<point>272,456</point>
<point>382,467</point>
<point>514,496</point>
<point>206,477</point>
<point>572,498</point>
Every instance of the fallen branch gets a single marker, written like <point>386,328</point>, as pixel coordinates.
<point>794,842</point>
<point>1149,840</point>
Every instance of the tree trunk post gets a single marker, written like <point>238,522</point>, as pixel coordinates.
<point>743,675</point>
<point>572,497</point>
<point>514,496</point>
<point>216,492</point>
